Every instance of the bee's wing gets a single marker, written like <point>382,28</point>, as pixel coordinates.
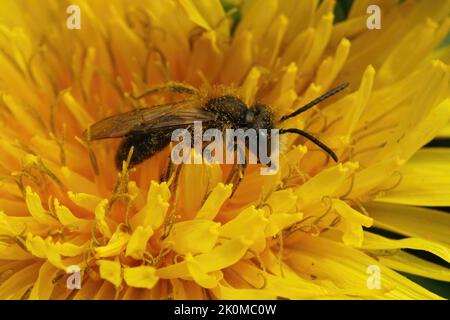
<point>144,120</point>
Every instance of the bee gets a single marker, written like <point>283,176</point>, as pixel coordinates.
<point>148,129</point>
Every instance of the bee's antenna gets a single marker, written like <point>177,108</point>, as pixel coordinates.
<point>315,102</point>
<point>312,139</point>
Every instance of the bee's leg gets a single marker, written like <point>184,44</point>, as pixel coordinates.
<point>173,187</point>
<point>174,87</point>
<point>237,172</point>
<point>174,177</point>
<point>237,175</point>
<point>165,176</point>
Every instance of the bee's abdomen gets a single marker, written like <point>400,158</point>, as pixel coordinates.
<point>145,146</point>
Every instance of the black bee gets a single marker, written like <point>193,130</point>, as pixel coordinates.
<point>148,130</point>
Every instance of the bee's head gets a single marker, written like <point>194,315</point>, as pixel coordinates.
<point>259,117</point>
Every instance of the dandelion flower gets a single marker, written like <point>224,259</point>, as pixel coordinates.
<point>303,233</point>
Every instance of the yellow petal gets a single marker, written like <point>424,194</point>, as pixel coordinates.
<point>257,18</point>
<point>250,224</point>
<point>115,245</point>
<point>329,260</point>
<point>110,271</point>
<point>220,257</point>
<point>16,285</point>
<point>249,88</point>
<point>361,100</point>
<point>69,249</point>
<point>280,221</point>
<point>35,208</point>
<point>13,252</point>
<point>224,255</point>
<point>140,277</point>
<point>424,180</point>
<point>408,263</point>
<point>326,183</point>
<point>76,109</point>
<point>230,293</point>
<point>282,201</point>
<point>376,242</point>
<point>270,47</point>
<point>240,59</point>
<point>44,286</point>
<point>283,94</point>
<point>194,236</point>
<point>215,200</point>
<point>43,249</point>
<point>100,215</point>
<point>194,14</point>
<point>411,221</point>
<point>67,218</point>
<point>431,123</point>
<point>322,35</point>
<point>351,223</point>
<point>330,68</point>
<point>154,212</point>
<point>138,242</point>
<point>64,215</point>
<point>5,226</point>
<point>84,200</point>
<point>76,182</point>
<point>207,176</point>
<point>206,58</point>
<point>403,58</point>
<point>200,276</point>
